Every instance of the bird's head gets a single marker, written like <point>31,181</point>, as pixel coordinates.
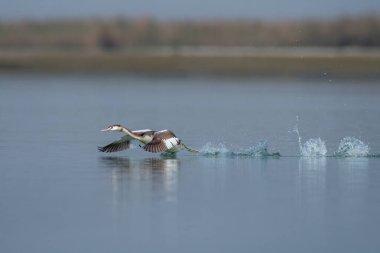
<point>116,127</point>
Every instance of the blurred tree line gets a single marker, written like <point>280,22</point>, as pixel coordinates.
<point>124,33</point>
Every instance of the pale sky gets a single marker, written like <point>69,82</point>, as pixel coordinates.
<point>185,9</point>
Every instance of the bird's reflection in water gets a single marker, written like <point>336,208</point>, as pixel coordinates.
<point>153,177</point>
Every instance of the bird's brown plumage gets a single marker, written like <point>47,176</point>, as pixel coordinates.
<point>155,141</point>
<point>162,141</point>
<point>119,145</point>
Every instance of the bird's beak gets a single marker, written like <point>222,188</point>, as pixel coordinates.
<point>105,130</point>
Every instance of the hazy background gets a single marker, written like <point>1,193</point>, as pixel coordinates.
<point>183,9</point>
<point>241,38</point>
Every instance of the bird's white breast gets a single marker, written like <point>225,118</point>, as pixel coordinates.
<point>147,138</point>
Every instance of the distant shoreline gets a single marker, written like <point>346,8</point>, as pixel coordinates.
<point>221,61</point>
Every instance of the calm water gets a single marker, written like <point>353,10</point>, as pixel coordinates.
<point>59,194</point>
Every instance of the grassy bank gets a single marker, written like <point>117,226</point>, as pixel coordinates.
<point>261,66</point>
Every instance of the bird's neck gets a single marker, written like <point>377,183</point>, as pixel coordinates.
<point>130,133</point>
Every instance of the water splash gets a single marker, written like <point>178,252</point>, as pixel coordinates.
<point>295,130</point>
<point>313,147</point>
<point>258,150</point>
<point>352,147</point>
<point>213,150</point>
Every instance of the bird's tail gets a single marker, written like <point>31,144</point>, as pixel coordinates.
<point>191,150</point>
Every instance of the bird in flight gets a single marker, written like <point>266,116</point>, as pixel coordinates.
<point>154,141</point>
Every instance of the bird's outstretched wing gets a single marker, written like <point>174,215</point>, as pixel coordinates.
<point>155,146</point>
<point>119,145</point>
<point>162,141</point>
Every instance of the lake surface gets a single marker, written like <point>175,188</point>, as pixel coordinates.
<point>59,194</point>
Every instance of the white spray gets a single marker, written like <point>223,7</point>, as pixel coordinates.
<point>312,147</point>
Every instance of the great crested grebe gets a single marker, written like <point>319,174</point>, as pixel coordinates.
<point>155,141</point>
